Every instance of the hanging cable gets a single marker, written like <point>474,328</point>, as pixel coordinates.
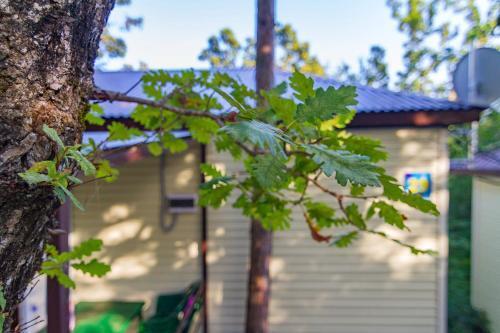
<point>165,227</point>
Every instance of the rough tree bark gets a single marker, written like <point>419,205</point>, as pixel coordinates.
<point>259,281</point>
<point>47,53</point>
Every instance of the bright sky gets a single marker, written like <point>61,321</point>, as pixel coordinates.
<point>175,31</point>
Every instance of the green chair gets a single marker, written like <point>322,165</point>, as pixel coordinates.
<point>106,317</point>
<point>174,310</point>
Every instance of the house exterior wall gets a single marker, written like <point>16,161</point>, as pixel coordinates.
<point>486,248</point>
<point>145,261</point>
<point>373,286</point>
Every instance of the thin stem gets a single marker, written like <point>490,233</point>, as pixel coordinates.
<point>106,95</point>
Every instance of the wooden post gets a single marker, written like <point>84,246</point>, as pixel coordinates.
<point>259,282</point>
<point>58,296</point>
<point>204,246</point>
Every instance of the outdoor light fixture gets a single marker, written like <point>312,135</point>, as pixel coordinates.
<point>173,204</point>
<point>180,203</point>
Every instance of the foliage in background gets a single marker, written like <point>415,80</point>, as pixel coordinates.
<point>373,71</point>
<point>225,51</point>
<point>434,41</point>
<point>462,316</point>
<point>112,45</point>
<point>489,130</point>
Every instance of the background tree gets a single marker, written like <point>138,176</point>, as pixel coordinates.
<point>114,46</point>
<point>225,51</point>
<point>434,43</point>
<point>261,238</point>
<point>373,71</point>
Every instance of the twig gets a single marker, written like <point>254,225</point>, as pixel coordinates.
<point>106,95</point>
<point>337,195</point>
<point>29,291</point>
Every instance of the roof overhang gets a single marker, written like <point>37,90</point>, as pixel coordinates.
<point>415,118</point>
<point>376,119</point>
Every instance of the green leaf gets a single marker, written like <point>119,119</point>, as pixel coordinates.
<point>355,217</point>
<point>52,134</point>
<point>321,213</point>
<point>155,148</point>
<point>230,99</point>
<point>215,191</point>
<point>86,248</point>
<point>277,220</point>
<point>346,239</point>
<point>270,172</point>
<point>41,166</point>
<point>348,167</point>
<point>389,213</point>
<point>338,121</point>
<point>300,184</point>
<point>201,129</point>
<point>395,192</point>
<point>173,144</point>
<point>32,177</point>
<point>147,116</point>
<point>93,267</point>
<point>106,171</point>
<point>63,279</point>
<point>70,195</point>
<point>54,266</point>
<point>357,190</point>
<point>303,86</point>
<point>210,170</point>
<point>283,107</point>
<point>51,250</point>
<point>3,301</point>
<point>260,134</point>
<point>119,132</point>
<point>87,167</point>
<point>60,194</point>
<point>94,116</point>
<point>215,196</point>
<point>224,142</point>
<point>362,145</point>
<point>74,180</point>
<point>326,104</point>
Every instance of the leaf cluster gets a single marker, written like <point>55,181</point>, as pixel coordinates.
<point>59,173</point>
<point>55,266</point>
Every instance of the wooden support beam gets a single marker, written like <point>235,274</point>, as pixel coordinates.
<point>58,311</point>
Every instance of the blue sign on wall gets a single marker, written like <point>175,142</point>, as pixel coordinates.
<point>418,182</point>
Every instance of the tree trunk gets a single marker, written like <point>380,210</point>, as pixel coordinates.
<point>259,281</point>
<point>47,53</point>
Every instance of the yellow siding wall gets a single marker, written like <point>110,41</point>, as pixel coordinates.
<point>374,286</point>
<point>145,261</point>
<point>486,247</point>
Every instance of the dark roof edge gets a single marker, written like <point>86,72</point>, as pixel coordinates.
<point>373,120</point>
<point>474,172</point>
<point>415,118</point>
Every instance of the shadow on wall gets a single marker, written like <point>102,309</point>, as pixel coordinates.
<point>374,285</point>
<point>145,261</point>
